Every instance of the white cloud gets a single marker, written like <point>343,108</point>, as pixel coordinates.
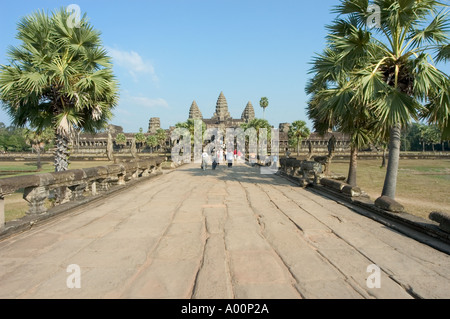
<point>133,62</point>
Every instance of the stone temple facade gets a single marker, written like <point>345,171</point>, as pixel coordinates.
<point>222,117</point>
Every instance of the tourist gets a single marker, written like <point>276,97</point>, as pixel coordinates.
<point>220,155</point>
<point>230,159</point>
<point>204,160</point>
<point>214,160</point>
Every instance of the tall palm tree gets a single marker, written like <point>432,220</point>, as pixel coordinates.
<point>264,103</point>
<point>398,80</point>
<point>254,137</point>
<point>59,77</point>
<point>297,132</point>
<point>334,103</point>
<point>339,108</point>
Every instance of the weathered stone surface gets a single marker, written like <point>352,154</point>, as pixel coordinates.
<point>11,184</point>
<point>336,185</point>
<point>36,196</point>
<point>389,204</point>
<point>351,191</point>
<point>443,219</point>
<point>231,234</point>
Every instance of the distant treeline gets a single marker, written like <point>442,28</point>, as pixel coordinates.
<point>420,137</point>
<point>14,139</point>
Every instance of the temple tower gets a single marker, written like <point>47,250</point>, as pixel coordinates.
<point>249,113</point>
<point>153,125</point>
<point>194,112</point>
<point>221,114</point>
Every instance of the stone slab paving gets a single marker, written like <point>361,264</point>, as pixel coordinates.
<point>224,234</point>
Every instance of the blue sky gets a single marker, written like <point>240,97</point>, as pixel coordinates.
<point>168,53</point>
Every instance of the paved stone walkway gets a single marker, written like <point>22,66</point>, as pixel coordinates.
<point>229,233</point>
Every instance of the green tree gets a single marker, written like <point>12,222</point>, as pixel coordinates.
<point>432,136</point>
<point>37,140</point>
<point>161,137</point>
<point>257,125</point>
<point>121,140</point>
<point>264,103</point>
<point>297,132</point>
<point>398,80</point>
<point>140,139</point>
<point>152,141</point>
<point>60,77</point>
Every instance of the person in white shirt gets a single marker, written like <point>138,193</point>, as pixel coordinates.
<point>205,157</point>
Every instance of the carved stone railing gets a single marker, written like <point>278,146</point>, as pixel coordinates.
<point>73,185</point>
<point>305,172</point>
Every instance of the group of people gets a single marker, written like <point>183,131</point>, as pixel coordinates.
<point>219,156</point>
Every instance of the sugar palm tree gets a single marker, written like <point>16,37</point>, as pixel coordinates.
<point>161,137</point>
<point>339,108</point>
<point>264,103</point>
<point>398,80</point>
<point>37,140</point>
<point>152,141</point>
<point>59,77</point>
<point>121,140</point>
<point>297,132</point>
<point>140,139</point>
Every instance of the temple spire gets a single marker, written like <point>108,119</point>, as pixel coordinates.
<point>249,113</point>
<point>221,113</point>
<point>194,112</point>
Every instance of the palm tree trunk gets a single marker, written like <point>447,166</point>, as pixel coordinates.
<point>383,163</point>
<point>298,148</point>
<point>61,153</point>
<point>351,179</point>
<point>390,181</point>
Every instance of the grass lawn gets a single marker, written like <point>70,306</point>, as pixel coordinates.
<point>423,186</point>
<point>15,205</point>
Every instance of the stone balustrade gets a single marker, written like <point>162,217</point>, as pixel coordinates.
<point>305,172</point>
<point>73,185</point>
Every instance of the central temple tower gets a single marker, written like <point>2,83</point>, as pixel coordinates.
<point>221,114</point>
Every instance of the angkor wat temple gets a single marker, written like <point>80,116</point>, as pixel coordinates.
<point>222,119</point>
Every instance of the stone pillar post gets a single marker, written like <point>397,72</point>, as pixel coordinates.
<point>121,180</point>
<point>94,188</point>
<point>36,196</point>
<point>78,191</point>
